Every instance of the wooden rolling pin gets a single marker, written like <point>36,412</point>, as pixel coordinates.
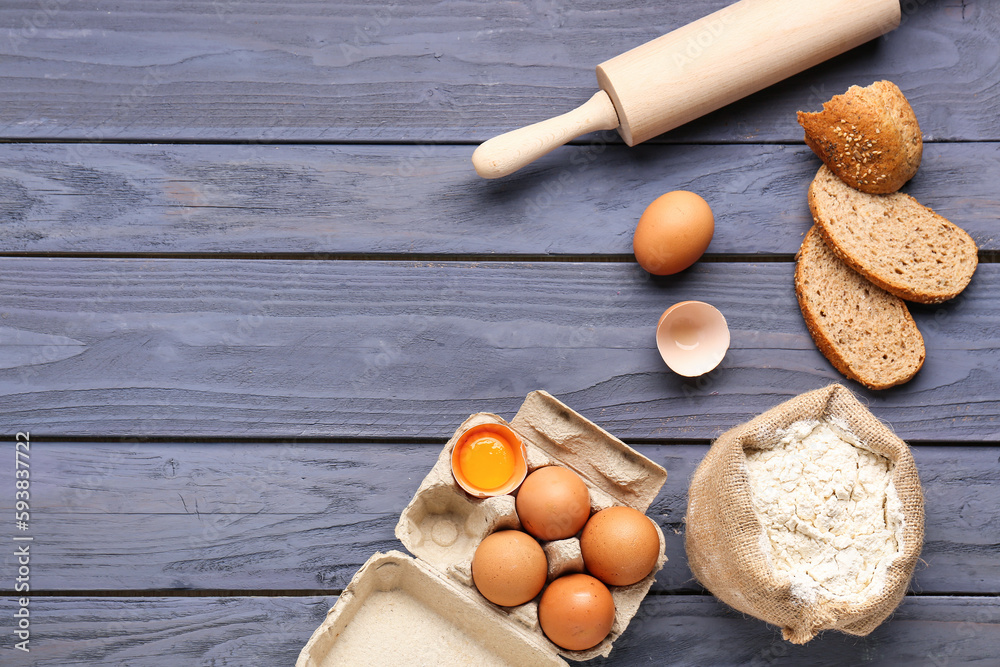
<point>696,69</point>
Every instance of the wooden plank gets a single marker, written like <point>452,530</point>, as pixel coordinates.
<point>702,631</point>
<point>409,349</point>
<point>420,199</point>
<point>305,516</point>
<point>426,71</point>
<point>675,630</point>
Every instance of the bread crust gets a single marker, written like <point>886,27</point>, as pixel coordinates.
<point>869,137</point>
<point>814,253</point>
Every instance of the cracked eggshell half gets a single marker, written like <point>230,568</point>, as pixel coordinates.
<point>692,337</point>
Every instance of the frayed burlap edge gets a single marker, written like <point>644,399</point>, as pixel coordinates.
<point>726,545</point>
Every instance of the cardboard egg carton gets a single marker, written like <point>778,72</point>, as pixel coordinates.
<point>430,607</point>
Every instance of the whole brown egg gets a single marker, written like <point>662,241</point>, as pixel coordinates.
<point>509,568</point>
<point>553,503</point>
<point>576,612</point>
<point>673,232</point>
<point>620,546</point>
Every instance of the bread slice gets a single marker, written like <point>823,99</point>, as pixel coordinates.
<point>869,137</point>
<point>865,332</point>
<point>894,241</point>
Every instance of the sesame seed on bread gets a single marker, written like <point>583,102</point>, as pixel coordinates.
<point>869,137</point>
<point>892,240</point>
<point>865,332</point>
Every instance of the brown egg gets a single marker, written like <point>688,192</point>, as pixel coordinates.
<point>509,568</point>
<point>620,546</point>
<point>673,232</point>
<point>576,612</point>
<point>553,503</point>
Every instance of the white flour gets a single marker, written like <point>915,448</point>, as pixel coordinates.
<point>829,510</point>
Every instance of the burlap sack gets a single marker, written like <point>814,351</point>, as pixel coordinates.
<point>725,540</point>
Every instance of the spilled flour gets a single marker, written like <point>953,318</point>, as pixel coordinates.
<point>829,511</point>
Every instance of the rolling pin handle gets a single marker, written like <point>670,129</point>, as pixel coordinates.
<point>505,154</point>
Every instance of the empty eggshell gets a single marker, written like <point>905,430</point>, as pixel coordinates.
<point>692,337</point>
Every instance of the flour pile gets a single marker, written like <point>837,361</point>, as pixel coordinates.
<point>830,512</point>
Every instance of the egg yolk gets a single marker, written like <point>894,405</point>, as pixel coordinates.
<point>487,462</point>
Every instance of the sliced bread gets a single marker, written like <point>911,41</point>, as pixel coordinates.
<point>894,241</point>
<point>869,137</point>
<point>865,332</point>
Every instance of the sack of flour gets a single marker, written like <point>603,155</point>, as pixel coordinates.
<point>810,517</point>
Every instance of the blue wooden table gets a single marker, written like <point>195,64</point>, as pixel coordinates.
<point>250,284</point>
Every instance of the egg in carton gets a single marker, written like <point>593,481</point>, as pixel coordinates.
<point>442,526</point>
